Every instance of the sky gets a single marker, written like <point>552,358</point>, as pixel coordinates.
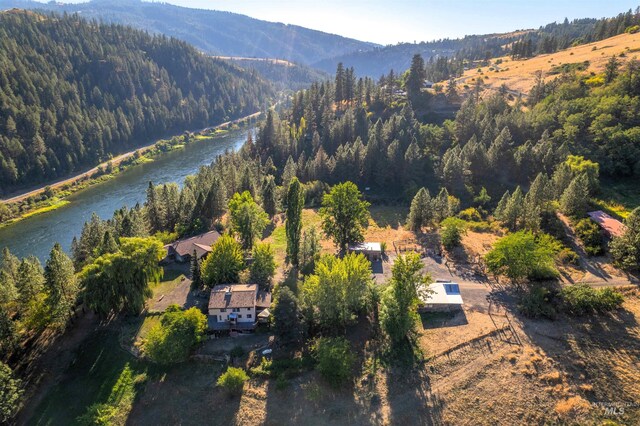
<point>393,21</point>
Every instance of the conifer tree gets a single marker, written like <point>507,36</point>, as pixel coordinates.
<point>61,286</point>
<point>295,203</point>
<point>575,199</point>
<point>420,214</point>
<point>513,210</point>
<point>196,272</point>
<point>269,196</point>
<point>154,210</point>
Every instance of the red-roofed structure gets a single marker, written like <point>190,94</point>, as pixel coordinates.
<point>612,227</point>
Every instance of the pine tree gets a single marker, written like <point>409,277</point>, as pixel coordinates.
<point>415,78</point>
<point>625,249</point>
<point>575,199</point>
<point>269,195</point>
<point>513,211</point>
<point>196,272</point>
<point>154,210</point>
<point>420,214</point>
<point>498,213</point>
<point>295,203</point>
<point>61,286</point>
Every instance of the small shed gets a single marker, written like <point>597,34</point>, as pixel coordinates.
<point>372,251</point>
<point>443,297</point>
<point>611,227</point>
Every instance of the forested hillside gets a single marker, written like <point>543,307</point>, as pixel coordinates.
<point>214,32</point>
<point>526,43</point>
<point>372,138</point>
<point>74,92</point>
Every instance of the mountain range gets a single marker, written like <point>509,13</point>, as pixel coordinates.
<point>213,32</point>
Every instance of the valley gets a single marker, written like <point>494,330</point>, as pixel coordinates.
<point>441,232</point>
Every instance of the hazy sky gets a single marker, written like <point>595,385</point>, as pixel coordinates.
<point>392,21</point>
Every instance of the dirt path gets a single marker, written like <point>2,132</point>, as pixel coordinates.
<point>599,272</point>
<point>114,161</point>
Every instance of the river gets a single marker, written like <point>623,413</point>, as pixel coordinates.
<point>36,235</point>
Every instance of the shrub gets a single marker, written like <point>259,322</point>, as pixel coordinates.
<point>566,256</point>
<point>233,380</point>
<point>521,255</point>
<point>452,231</point>
<point>589,233</point>
<point>471,214</point>
<point>580,299</point>
<point>335,359</point>
<point>538,302</point>
<point>632,29</point>
<point>177,334</point>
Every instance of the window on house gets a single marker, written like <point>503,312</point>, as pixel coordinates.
<point>248,315</point>
<point>239,316</point>
<point>220,317</point>
<point>223,310</point>
<point>236,309</point>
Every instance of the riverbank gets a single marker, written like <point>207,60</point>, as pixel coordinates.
<point>53,196</point>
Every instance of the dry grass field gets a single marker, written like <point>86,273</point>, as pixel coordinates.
<point>520,75</point>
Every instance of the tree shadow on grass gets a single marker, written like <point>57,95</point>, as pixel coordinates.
<point>598,351</point>
<point>410,398</point>
<point>393,217</point>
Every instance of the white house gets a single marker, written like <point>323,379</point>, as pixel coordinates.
<point>443,297</point>
<point>236,306</point>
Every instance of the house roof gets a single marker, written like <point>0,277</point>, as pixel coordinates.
<point>227,296</point>
<point>371,247</point>
<point>200,243</point>
<point>238,296</point>
<point>263,299</point>
<point>612,226</point>
<point>443,294</point>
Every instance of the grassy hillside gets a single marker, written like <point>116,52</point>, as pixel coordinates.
<point>520,75</point>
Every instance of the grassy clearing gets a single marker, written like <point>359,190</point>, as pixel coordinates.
<point>278,237</point>
<point>389,216</point>
<point>622,197</point>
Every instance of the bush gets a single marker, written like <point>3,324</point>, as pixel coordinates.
<point>632,29</point>
<point>566,256</point>
<point>233,380</point>
<point>471,214</point>
<point>335,359</point>
<point>538,302</point>
<point>177,334</point>
<point>591,237</point>
<point>580,299</point>
<point>452,231</point>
